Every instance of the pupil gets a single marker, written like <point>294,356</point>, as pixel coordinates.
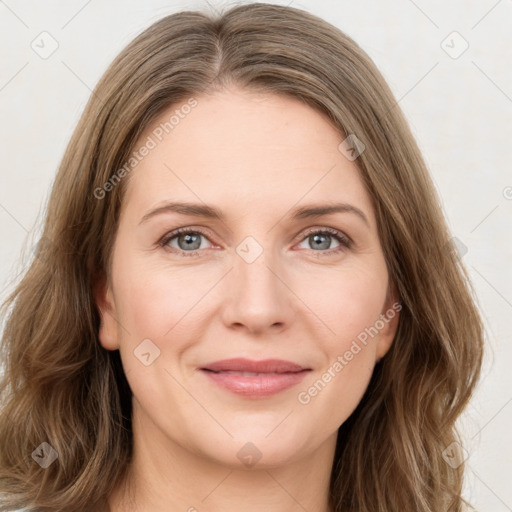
<point>317,239</point>
<point>190,240</point>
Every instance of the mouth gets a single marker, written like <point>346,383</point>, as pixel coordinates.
<point>247,374</point>
<point>266,366</point>
<point>255,379</point>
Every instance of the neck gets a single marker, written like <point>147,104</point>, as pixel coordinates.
<point>165,475</point>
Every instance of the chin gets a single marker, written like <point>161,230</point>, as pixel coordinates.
<point>250,452</point>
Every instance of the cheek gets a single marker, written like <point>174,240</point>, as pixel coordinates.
<point>155,300</point>
<point>346,300</point>
<point>340,302</point>
<point>334,394</point>
<point>349,304</point>
<point>161,305</point>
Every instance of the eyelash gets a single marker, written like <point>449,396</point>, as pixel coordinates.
<point>345,241</point>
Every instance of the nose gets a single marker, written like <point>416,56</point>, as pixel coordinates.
<point>257,295</point>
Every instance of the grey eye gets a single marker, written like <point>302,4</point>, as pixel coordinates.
<point>187,241</point>
<point>320,241</point>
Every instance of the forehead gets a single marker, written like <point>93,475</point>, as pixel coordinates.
<point>244,151</point>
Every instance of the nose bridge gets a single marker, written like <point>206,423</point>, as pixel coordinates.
<point>258,298</point>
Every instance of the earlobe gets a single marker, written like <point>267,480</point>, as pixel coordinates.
<point>104,300</point>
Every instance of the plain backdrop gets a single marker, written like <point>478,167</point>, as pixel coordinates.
<point>449,66</point>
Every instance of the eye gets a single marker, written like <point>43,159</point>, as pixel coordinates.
<point>321,239</point>
<point>188,241</point>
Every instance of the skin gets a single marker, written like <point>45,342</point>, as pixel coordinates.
<point>254,157</point>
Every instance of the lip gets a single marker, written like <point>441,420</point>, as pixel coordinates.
<point>274,376</point>
<point>240,364</point>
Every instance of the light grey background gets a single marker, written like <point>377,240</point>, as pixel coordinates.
<point>459,107</point>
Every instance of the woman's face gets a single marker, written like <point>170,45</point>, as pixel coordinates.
<point>259,281</point>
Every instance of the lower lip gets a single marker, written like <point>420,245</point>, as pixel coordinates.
<point>256,386</point>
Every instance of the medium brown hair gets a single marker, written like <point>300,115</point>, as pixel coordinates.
<point>61,387</point>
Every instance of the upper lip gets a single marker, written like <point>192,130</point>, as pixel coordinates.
<point>248,365</point>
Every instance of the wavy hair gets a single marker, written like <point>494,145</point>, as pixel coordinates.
<point>61,387</point>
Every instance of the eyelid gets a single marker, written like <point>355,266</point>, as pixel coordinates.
<point>176,232</point>
<point>326,229</point>
<point>343,238</point>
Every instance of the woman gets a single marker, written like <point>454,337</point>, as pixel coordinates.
<point>255,370</point>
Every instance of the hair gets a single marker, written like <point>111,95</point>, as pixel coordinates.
<point>61,387</point>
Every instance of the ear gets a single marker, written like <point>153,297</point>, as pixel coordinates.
<point>104,300</point>
<point>389,318</point>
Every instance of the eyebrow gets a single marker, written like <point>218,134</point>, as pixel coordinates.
<point>303,212</point>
